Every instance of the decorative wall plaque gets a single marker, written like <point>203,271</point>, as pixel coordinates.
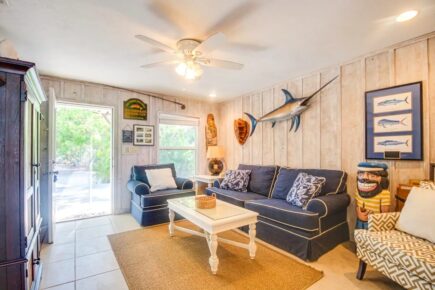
<point>135,109</point>
<point>241,129</point>
<point>210,132</point>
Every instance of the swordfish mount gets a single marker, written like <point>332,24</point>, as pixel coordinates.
<point>290,110</point>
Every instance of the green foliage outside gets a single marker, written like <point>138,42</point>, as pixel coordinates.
<point>184,139</point>
<point>83,139</point>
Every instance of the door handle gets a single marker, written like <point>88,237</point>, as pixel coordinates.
<point>36,164</point>
<point>54,172</point>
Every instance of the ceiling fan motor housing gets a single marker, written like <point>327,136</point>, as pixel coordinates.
<point>187,45</point>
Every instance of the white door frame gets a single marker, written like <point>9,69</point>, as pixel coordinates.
<point>52,151</point>
<point>51,161</point>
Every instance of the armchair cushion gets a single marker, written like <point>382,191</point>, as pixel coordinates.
<point>159,198</point>
<point>380,222</point>
<point>329,204</point>
<point>160,179</point>
<point>138,187</point>
<point>138,172</point>
<point>410,253</point>
<point>418,210</point>
<point>183,183</point>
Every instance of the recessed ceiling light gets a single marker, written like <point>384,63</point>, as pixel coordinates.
<point>405,16</point>
<point>212,95</point>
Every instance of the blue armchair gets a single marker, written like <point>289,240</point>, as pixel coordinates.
<point>150,208</point>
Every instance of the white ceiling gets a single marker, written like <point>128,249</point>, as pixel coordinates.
<point>93,40</point>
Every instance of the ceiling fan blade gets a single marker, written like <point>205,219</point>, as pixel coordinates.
<point>155,43</point>
<point>220,63</point>
<point>159,63</point>
<point>232,20</point>
<point>211,43</point>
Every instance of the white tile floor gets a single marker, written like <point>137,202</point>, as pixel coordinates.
<point>81,259</point>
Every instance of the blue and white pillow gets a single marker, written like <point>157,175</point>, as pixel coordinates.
<point>236,180</point>
<point>304,189</point>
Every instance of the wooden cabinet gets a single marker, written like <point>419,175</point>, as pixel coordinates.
<point>402,193</point>
<point>20,218</point>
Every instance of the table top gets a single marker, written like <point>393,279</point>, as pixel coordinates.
<point>222,215</point>
<point>207,178</point>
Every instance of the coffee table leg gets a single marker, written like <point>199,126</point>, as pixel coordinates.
<point>252,245</point>
<point>171,222</point>
<point>213,260</point>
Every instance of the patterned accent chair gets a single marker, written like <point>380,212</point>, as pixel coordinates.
<point>408,260</point>
<point>150,208</point>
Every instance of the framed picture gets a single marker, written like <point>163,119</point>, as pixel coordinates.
<point>394,128</point>
<point>127,136</point>
<point>143,135</point>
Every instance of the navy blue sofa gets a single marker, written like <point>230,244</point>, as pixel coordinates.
<point>307,233</point>
<point>150,208</point>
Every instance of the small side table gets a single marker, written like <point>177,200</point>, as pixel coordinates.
<point>208,179</point>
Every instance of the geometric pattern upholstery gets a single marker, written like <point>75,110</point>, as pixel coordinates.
<point>408,253</point>
<point>393,271</point>
<point>383,221</point>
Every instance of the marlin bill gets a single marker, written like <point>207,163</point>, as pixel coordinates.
<point>291,109</point>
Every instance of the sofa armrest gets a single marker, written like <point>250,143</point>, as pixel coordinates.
<point>329,204</point>
<point>138,187</point>
<point>183,183</point>
<point>217,183</point>
<point>381,222</point>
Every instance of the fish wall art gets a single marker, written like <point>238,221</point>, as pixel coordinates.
<point>291,109</point>
<point>394,123</point>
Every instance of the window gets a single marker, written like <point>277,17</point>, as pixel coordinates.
<point>178,143</point>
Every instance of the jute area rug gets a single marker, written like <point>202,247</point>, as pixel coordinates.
<point>150,259</point>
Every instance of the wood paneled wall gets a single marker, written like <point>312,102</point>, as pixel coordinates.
<point>331,134</point>
<point>96,94</point>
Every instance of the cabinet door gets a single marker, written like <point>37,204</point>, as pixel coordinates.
<point>29,180</point>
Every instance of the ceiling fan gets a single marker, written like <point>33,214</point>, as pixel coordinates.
<point>190,55</point>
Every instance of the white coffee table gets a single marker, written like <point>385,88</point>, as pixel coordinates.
<point>223,217</point>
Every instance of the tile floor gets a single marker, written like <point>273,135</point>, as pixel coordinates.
<point>81,259</point>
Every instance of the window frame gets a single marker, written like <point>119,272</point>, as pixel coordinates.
<point>177,119</point>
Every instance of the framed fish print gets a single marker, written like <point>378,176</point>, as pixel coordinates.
<point>394,128</point>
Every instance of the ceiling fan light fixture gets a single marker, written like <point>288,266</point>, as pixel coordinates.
<point>189,70</point>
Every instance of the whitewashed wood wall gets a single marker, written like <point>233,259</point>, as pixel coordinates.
<point>331,134</point>
<point>96,94</point>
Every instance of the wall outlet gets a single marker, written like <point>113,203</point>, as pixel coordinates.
<point>129,149</point>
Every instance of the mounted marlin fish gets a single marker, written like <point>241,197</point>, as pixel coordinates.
<point>292,109</point>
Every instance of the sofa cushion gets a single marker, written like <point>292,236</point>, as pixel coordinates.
<point>304,189</point>
<point>160,198</point>
<point>410,253</point>
<point>335,181</point>
<point>289,215</point>
<point>236,180</point>
<point>138,172</point>
<point>234,197</point>
<point>262,178</point>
